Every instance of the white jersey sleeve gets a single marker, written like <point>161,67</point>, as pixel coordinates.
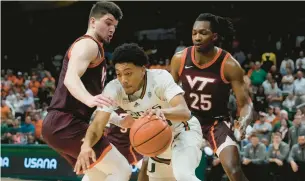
<point>113,91</point>
<point>166,88</point>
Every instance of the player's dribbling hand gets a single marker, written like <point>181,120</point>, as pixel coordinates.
<point>100,101</point>
<point>151,112</point>
<point>83,159</point>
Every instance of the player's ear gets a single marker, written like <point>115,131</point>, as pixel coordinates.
<point>92,22</point>
<point>215,36</point>
<point>143,70</point>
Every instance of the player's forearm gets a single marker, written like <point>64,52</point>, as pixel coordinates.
<point>94,133</point>
<point>246,113</point>
<point>96,128</point>
<point>179,113</point>
<point>77,88</point>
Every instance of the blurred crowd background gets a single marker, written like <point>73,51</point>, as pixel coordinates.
<point>269,44</point>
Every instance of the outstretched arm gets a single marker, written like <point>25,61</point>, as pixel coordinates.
<point>235,75</point>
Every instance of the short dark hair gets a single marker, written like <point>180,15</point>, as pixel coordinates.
<point>130,53</point>
<point>277,134</point>
<point>253,134</point>
<point>101,8</point>
<point>220,25</point>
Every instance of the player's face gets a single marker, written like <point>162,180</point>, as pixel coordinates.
<point>104,27</point>
<point>130,76</point>
<point>202,36</point>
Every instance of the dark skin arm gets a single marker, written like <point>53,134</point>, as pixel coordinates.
<point>142,176</point>
<point>175,65</point>
<point>241,89</point>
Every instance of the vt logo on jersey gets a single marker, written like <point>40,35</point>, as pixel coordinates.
<point>200,101</point>
<point>203,81</point>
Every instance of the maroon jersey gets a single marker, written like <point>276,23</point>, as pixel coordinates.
<point>93,80</point>
<point>206,89</point>
<point>119,137</point>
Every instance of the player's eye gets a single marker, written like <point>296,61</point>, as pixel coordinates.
<point>128,74</point>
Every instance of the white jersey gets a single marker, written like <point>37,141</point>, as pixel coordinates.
<point>158,89</point>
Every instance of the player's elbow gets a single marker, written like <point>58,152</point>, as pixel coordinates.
<point>185,114</point>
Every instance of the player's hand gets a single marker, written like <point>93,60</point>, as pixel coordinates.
<point>83,159</point>
<point>100,101</point>
<point>151,112</point>
<point>127,122</point>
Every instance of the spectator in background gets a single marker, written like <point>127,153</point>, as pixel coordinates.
<point>261,127</point>
<point>276,75</point>
<point>295,130</point>
<point>254,158</point>
<point>180,47</point>
<point>37,122</point>
<point>28,101</point>
<point>300,62</point>
<point>18,106</point>
<point>240,56</point>
<point>287,82</point>
<point>283,127</point>
<point>34,85</point>
<point>19,81</point>
<point>286,63</point>
<point>258,75</point>
<point>277,113</point>
<point>277,154</point>
<point>274,96</point>
<point>27,126</point>
<point>270,116</point>
<point>289,102</point>
<point>48,87</point>
<point>299,88</point>
<point>5,111</point>
<point>269,57</point>
<point>250,69</point>
<point>260,101</point>
<point>296,159</point>
<point>267,83</point>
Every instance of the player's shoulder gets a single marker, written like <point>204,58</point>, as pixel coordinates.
<point>114,86</point>
<point>157,75</point>
<point>179,55</point>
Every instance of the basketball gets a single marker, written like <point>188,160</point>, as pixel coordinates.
<point>150,137</point>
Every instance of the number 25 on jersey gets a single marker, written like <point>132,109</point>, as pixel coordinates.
<point>200,101</point>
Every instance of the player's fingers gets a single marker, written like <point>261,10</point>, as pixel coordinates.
<point>77,166</point>
<point>93,156</point>
<point>83,164</point>
<point>102,102</point>
<point>87,160</point>
<point>108,100</point>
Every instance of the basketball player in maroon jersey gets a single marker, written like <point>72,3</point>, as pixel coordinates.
<point>207,73</point>
<point>78,93</point>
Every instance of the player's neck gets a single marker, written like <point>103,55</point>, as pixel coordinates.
<point>92,34</point>
<point>203,58</point>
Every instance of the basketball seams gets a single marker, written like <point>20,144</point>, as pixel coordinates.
<point>149,138</point>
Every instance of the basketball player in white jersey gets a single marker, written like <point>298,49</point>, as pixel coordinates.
<point>137,90</point>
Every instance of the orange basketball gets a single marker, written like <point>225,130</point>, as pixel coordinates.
<point>150,137</point>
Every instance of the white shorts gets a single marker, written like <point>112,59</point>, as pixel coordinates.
<point>182,140</point>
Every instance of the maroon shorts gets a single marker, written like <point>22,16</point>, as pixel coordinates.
<point>64,133</point>
<point>121,141</point>
<point>219,133</point>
